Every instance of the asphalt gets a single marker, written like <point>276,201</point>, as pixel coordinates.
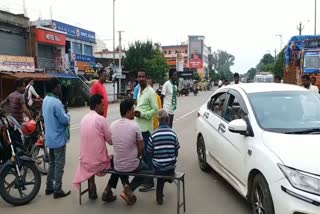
<point>206,193</point>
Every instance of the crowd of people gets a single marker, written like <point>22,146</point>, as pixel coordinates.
<point>142,139</point>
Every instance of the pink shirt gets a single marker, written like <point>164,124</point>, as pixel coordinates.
<point>125,136</point>
<point>94,133</point>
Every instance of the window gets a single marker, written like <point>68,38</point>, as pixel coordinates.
<point>176,52</point>
<point>165,52</point>
<point>216,103</point>
<point>169,52</point>
<point>185,51</point>
<point>88,50</point>
<point>234,110</point>
<point>77,48</point>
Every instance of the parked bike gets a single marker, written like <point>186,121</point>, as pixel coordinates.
<point>20,180</point>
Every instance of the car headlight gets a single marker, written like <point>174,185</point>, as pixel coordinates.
<point>302,180</point>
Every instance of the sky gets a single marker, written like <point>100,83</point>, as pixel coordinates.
<point>245,28</point>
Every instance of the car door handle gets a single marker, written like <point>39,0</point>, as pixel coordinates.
<point>206,115</point>
<point>222,128</point>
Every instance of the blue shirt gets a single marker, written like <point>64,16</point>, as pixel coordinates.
<point>56,121</point>
<point>136,91</point>
<point>163,145</point>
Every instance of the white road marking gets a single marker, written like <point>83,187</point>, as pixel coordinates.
<point>187,114</point>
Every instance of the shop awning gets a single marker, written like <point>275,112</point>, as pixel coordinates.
<point>26,75</point>
<point>64,75</point>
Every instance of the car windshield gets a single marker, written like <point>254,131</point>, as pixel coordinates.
<point>286,111</point>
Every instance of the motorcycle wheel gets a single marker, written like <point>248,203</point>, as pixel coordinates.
<point>17,191</point>
<point>40,155</point>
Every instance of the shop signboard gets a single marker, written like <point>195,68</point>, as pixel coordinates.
<point>50,37</point>
<point>179,62</point>
<point>17,63</point>
<point>74,32</point>
<point>196,52</point>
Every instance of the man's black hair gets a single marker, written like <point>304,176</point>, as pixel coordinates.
<point>100,72</point>
<point>95,100</point>
<point>19,83</point>
<point>52,84</point>
<point>306,77</point>
<point>142,70</point>
<point>236,75</point>
<point>171,71</point>
<point>126,106</point>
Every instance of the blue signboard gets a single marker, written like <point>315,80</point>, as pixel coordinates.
<point>74,32</point>
<point>83,58</point>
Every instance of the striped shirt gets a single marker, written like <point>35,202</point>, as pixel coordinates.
<point>163,145</point>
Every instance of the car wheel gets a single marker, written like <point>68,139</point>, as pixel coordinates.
<point>201,150</point>
<point>261,200</point>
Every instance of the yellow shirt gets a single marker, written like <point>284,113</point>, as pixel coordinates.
<point>156,118</point>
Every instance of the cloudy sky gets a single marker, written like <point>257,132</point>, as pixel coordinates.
<point>245,28</point>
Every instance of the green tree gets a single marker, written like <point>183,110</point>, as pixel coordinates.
<point>279,64</point>
<point>251,73</point>
<point>266,63</point>
<point>222,61</point>
<point>157,66</point>
<point>149,56</point>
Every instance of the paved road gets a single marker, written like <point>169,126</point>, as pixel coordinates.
<point>206,193</point>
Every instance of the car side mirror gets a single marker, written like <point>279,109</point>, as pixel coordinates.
<point>238,126</point>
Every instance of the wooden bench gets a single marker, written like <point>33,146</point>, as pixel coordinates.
<point>178,178</point>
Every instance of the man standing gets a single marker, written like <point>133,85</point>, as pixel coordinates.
<point>305,79</point>
<point>94,134</point>
<point>128,148</point>
<point>15,103</point>
<point>147,108</point>
<point>30,93</point>
<point>98,88</point>
<point>169,95</point>
<point>163,145</point>
<point>57,122</point>
<point>236,79</point>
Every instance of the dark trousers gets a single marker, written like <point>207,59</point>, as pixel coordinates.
<point>147,157</point>
<point>57,160</point>
<point>171,116</point>
<point>136,181</point>
<point>161,182</point>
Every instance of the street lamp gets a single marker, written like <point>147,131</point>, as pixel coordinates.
<point>280,36</point>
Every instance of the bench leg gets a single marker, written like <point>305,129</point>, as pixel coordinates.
<point>178,197</point>
<point>184,194</point>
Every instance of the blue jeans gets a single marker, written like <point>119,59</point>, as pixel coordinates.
<point>57,160</point>
<point>147,157</point>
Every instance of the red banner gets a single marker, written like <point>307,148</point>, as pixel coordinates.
<point>195,63</point>
<point>50,37</point>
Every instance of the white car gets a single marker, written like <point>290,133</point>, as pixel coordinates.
<point>264,139</point>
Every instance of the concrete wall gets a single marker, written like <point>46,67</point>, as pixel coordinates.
<point>15,20</point>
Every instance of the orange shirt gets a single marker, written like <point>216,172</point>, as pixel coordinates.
<point>98,88</point>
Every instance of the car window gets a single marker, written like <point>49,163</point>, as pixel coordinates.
<point>234,110</point>
<point>216,103</point>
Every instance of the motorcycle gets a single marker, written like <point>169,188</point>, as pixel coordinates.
<point>183,91</point>
<point>195,91</point>
<point>20,180</point>
<point>33,132</point>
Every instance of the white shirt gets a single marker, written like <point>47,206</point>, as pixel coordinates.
<point>31,91</point>
<point>167,92</point>
<point>314,89</point>
<point>220,83</point>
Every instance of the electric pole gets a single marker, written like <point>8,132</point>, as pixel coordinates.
<point>24,8</point>
<point>120,66</point>
<point>300,28</point>
<point>315,17</point>
<point>114,34</point>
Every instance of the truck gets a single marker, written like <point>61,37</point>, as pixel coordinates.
<point>302,56</point>
<point>263,77</point>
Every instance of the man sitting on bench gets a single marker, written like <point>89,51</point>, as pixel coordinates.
<point>163,146</point>
<point>94,133</point>
<point>128,147</point>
